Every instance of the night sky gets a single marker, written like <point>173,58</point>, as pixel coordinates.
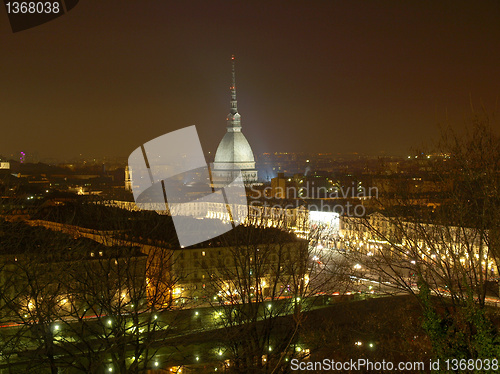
<point>312,76</point>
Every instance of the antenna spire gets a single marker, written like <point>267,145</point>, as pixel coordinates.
<point>234,103</point>
<point>233,118</point>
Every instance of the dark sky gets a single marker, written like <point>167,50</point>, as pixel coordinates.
<point>315,76</point>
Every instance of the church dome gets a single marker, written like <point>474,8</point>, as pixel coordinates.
<point>234,148</point>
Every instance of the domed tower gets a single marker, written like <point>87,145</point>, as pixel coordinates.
<point>234,152</point>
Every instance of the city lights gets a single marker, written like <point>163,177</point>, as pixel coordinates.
<point>314,204</point>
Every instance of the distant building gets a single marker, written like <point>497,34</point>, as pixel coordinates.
<point>128,179</point>
<point>212,271</point>
<point>234,152</point>
<point>4,165</point>
<point>278,186</point>
<point>66,275</point>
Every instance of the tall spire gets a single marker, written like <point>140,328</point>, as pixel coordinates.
<point>233,118</point>
<point>234,103</point>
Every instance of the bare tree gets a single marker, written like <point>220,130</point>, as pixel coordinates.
<point>77,304</point>
<point>444,250</point>
<point>261,282</point>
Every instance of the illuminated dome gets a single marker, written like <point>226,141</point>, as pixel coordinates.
<point>234,147</point>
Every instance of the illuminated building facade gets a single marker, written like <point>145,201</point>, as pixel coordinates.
<point>128,179</point>
<point>211,272</point>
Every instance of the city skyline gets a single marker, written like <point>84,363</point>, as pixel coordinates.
<point>332,77</point>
